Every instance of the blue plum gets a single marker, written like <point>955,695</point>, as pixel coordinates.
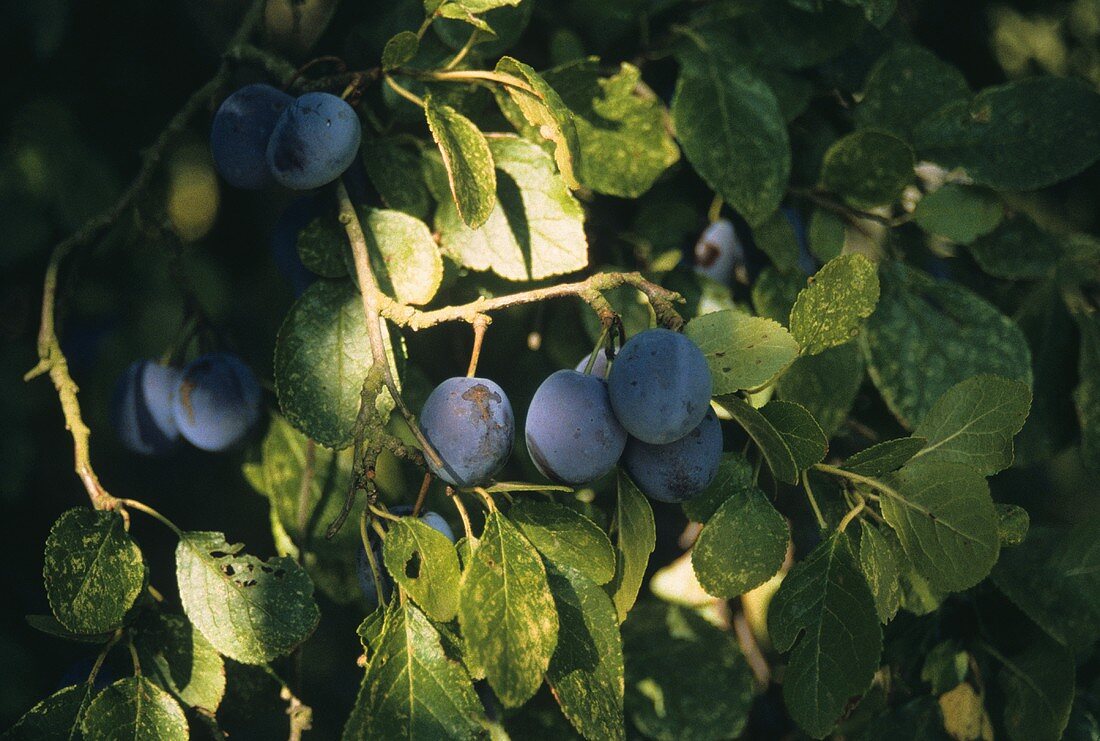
<point>572,434</point>
<point>218,401</point>
<point>659,386</point>
<point>719,252</point>
<point>284,242</point>
<point>141,407</point>
<point>240,132</point>
<point>599,368</point>
<point>366,577</point>
<point>679,470</point>
<point>314,141</point>
<point>469,422</point>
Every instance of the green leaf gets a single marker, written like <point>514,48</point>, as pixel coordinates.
<point>625,141</point>
<point>1017,250</point>
<point>1054,578</point>
<point>536,228</point>
<point>395,172</point>
<point>825,384</point>
<point>868,168</point>
<point>742,351</point>
<point>800,432</point>
<point>1046,124</point>
<point>423,561</point>
<point>370,630</point>
<point>322,356</point>
<point>57,717</point>
<point>885,457</point>
<point>974,423</point>
<point>733,133</point>
<point>93,570</point>
<point>774,293</point>
<point>734,477</point>
<point>586,671</point>
<point>483,6</point>
<point>772,444</point>
<point>824,614</point>
<point>134,709</point>
<point>926,336</point>
<point>49,625</point>
<point>467,159</point>
<point>906,85</point>
<point>741,546</point>
<point>776,238</point>
<point>412,259</point>
<point>178,659</point>
<point>321,247</point>
<point>962,213</point>
<point>916,720</point>
<point>636,537</point>
<point>946,522</point>
<point>1038,684</point>
<point>945,667</point>
<point>400,49</point>
<point>964,714</point>
<point>250,610</point>
<point>411,688</point>
<point>1087,394</point>
<point>507,614</point>
<point>826,235</point>
<point>567,539</point>
<point>880,557</point>
<point>544,110</point>
<point>831,309</point>
<point>877,12</point>
<point>675,664</point>
<point>1013,523</point>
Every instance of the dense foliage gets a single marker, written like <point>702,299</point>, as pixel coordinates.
<point>750,348</point>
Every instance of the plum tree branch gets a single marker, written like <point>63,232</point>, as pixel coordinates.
<point>51,360</point>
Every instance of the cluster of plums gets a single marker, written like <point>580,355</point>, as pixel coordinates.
<point>652,413</point>
<point>212,402</point>
<point>262,135</point>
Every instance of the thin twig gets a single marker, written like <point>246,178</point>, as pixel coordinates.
<point>423,494</point>
<point>481,323</point>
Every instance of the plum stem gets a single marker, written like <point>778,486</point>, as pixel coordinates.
<point>423,494</point>
<point>375,574</point>
<point>813,500</point>
<point>481,323</point>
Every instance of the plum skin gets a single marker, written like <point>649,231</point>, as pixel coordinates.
<point>659,385</point>
<point>718,251</point>
<point>315,140</point>
<point>680,470</point>
<point>469,422</point>
<point>284,241</point>
<point>218,402</point>
<point>572,434</point>
<point>362,565</point>
<point>599,367</point>
<point>141,407</point>
<point>240,132</point>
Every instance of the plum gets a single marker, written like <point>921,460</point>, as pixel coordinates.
<point>141,407</point>
<point>284,241</point>
<point>315,139</point>
<point>719,252</point>
<point>470,424</point>
<point>659,386</point>
<point>218,401</point>
<point>599,368</point>
<point>680,470</point>
<point>572,434</point>
<point>240,132</point>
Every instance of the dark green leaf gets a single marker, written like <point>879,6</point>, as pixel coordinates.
<point>974,423</point>
<point>1017,250</point>
<point>624,138</point>
<point>177,658</point>
<point>776,452</point>
<point>800,432</point>
<point>741,546</point>
<point>508,618</point>
<point>1013,523</point>
<point>1087,394</point>
<point>1045,125</point>
<point>250,610</point>
<point>877,12</point>
<point>885,457</point>
<point>49,625</point>
<point>962,213</point>
<point>93,570</point>
<point>906,85</point>
<point>945,667</point>
<point>423,561</point>
<point>916,720</point>
<point>321,247</point>
<point>55,718</point>
<point>774,293</point>
<point>411,688</point>
<point>831,310</point>
<point>1038,686</point>
<point>566,538</point>
<point>776,238</point>
<point>134,709</point>
<point>400,49</point>
<point>868,168</point>
<point>536,228</point>
<point>742,351</point>
<point>926,336</point>
<point>824,614</point>
<point>636,537</point>
<point>467,159</point>
<point>826,235</point>
<point>395,172</point>
<point>734,477</point>
<point>826,385</point>
<point>880,557</point>
<point>586,671</point>
<point>944,517</point>
<point>779,35</point>
<point>733,133</point>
